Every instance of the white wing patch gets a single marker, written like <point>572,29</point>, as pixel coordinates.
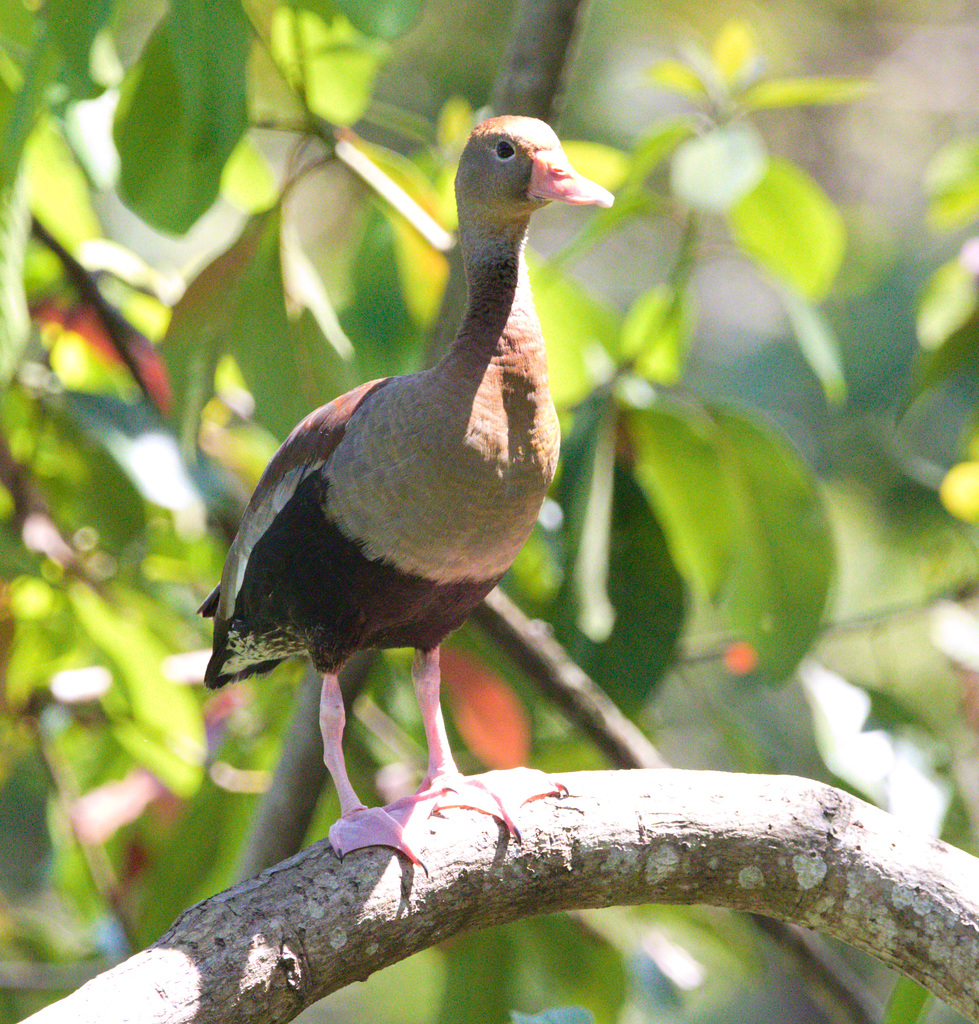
<point>255,524</point>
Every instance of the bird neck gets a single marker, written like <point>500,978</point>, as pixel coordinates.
<point>500,325</point>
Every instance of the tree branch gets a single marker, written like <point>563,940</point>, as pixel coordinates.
<point>781,846</point>
<point>531,644</point>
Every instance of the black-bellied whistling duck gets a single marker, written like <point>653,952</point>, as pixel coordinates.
<point>388,514</point>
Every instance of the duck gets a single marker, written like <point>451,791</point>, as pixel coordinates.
<point>388,514</point>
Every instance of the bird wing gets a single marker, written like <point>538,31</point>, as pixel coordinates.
<point>306,450</point>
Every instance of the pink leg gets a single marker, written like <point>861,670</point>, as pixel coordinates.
<point>358,826</point>
<point>497,793</point>
<point>426,676</point>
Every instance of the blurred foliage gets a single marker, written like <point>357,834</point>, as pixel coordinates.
<point>216,216</point>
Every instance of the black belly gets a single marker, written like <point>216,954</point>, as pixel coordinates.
<point>308,588</point>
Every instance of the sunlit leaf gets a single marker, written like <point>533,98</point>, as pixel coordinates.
<point>959,491</point>
<point>735,53</point>
<point>604,164</point>
<point>817,342</point>
<point>159,723</point>
<point>959,352</point>
<point>15,226</point>
<point>385,19</point>
<point>677,77</point>
<point>191,93</point>
<point>908,1002</point>
<point>654,148</point>
<point>656,334</point>
<point>142,445</point>
<point>247,179</point>
<point>672,451</point>
<point>57,190</point>
<point>791,228</point>
<point>455,121</point>
<point>328,61</point>
<point>580,335</point>
<point>718,169</point>
<point>949,299</point>
<point>802,92</point>
<point>952,181</point>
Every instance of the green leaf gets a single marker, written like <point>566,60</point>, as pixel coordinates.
<point>604,164</point>
<point>74,27</point>
<point>782,552</point>
<point>788,225</point>
<point>247,180</point>
<point>385,19</point>
<point>15,227</point>
<point>564,962</point>
<point>680,471</point>
<point>907,1003</point>
<point>952,182</point>
<point>142,445</point>
<point>237,305</point>
<point>959,351</point>
<point>949,299</point>
<point>656,334</point>
<point>328,61</point>
<point>677,77</point>
<point>580,333</point>
<point>188,89</point>
<point>716,170</point>
<point>802,92</point>
<point>57,189</point>
<point>642,587</point>
<point>19,107</point>
<point>744,523</point>
<point>817,342</point>
<point>480,978</point>
<point>159,723</point>
<point>735,53</point>
<point>653,149</point>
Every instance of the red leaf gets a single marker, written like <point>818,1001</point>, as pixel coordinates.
<point>486,711</point>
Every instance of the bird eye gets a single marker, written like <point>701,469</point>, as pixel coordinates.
<point>504,150</point>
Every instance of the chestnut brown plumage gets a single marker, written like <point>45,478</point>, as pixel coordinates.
<point>388,514</point>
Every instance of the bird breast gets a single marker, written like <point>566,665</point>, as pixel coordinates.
<point>446,484</point>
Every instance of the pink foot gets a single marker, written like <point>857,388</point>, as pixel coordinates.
<point>499,793</point>
<point>380,826</point>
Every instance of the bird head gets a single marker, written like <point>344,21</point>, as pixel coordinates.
<point>512,166</point>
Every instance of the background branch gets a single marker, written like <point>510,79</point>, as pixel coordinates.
<point>776,845</point>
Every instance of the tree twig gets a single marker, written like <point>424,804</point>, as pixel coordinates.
<point>781,846</point>
<point>531,645</point>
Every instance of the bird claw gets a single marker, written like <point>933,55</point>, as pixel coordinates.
<point>375,826</point>
<point>497,793</point>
